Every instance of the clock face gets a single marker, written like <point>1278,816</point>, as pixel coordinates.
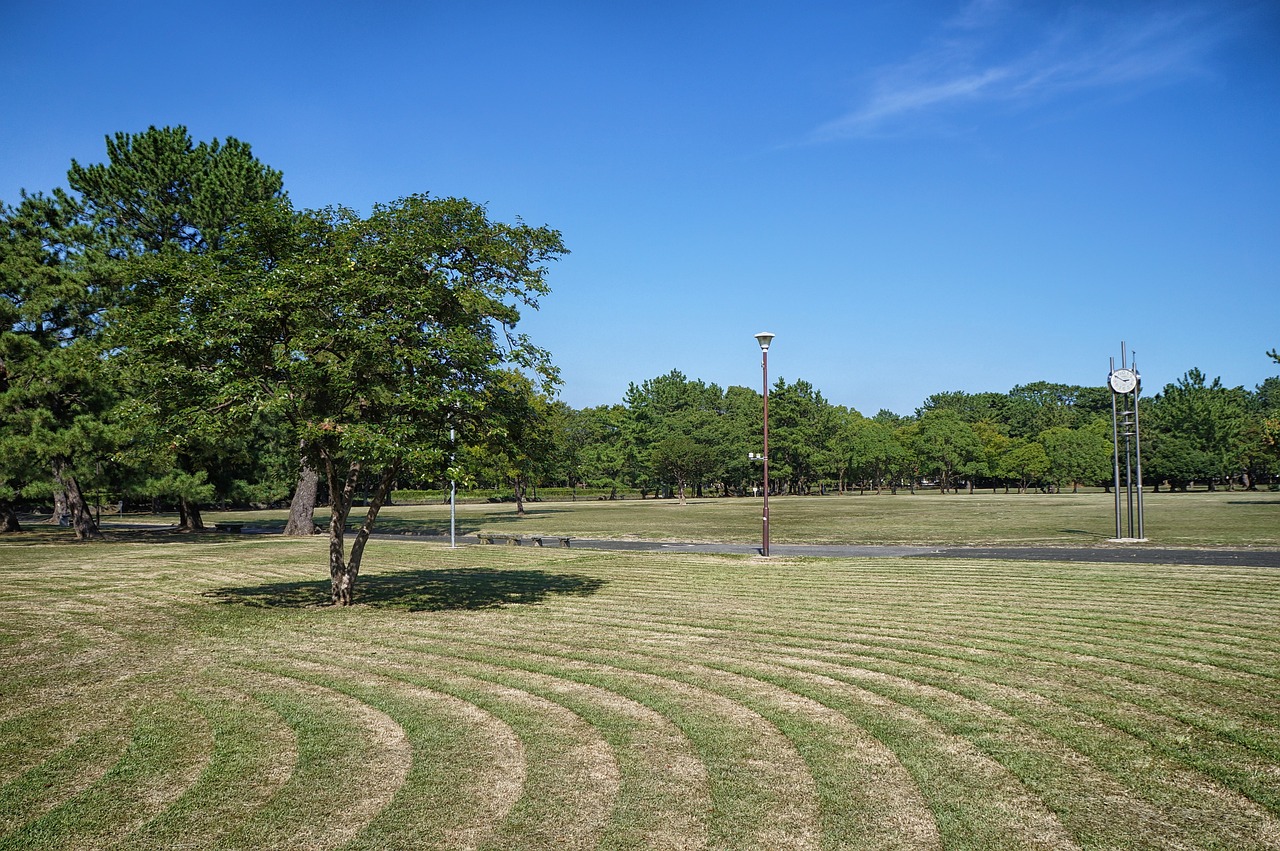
<point>1123,381</point>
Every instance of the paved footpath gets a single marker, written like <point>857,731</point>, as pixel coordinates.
<point>1105,555</point>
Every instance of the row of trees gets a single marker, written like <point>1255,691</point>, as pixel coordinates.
<point>171,328</point>
<point>672,435</point>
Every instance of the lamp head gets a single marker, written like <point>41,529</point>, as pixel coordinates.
<point>764,339</point>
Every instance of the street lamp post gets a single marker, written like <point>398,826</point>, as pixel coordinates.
<point>764,339</point>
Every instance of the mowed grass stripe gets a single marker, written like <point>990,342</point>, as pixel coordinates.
<point>1127,678</point>
<point>467,770</point>
<point>252,757</point>
<point>1082,768</point>
<point>747,787</point>
<point>570,776</point>
<point>760,792</point>
<point>1185,792</point>
<point>661,797</point>
<point>168,746</point>
<point>1230,762</point>
<point>865,798</point>
<point>350,761</point>
<point>55,775</point>
<point>843,824</point>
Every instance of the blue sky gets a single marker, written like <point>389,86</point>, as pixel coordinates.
<point>914,196</point>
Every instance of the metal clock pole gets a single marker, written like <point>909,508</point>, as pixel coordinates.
<point>1125,385</point>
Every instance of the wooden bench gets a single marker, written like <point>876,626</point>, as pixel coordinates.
<point>488,538</point>
<point>564,541</point>
<point>233,528</point>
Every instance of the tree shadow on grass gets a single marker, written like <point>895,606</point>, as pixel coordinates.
<point>421,590</point>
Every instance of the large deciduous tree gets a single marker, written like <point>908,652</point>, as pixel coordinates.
<point>374,336</point>
<point>946,446</point>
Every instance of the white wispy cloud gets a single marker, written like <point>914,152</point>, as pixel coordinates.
<point>998,52</point>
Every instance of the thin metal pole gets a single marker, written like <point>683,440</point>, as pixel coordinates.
<point>1137,442</point>
<point>764,366</point>
<point>1128,477</point>
<point>1115,455</point>
<point>453,499</point>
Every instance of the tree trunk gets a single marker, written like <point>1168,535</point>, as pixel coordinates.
<point>519,486</point>
<point>189,519</point>
<point>81,517</point>
<point>342,581</point>
<point>378,499</point>
<point>9,519</point>
<point>60,512</point>
<point>302,508</point>
<point>343,571</point>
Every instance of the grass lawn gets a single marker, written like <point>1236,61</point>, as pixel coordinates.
<point>1232,519</point>
<point>167,691</point>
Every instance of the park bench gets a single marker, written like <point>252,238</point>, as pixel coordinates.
<point>489,538</point>
<point>233,528</point>
<point>564,541</point>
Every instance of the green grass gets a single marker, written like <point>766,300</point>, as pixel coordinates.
<point>1088,519</point>
<point>190,692</point>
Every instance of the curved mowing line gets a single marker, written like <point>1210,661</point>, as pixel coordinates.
<point>909,639</point>
<point>1182,802</point>
<point>468,766</point>
<point>30,738</point>
<point>662,795</point>
<point>61,775</point>
<point>1240,757</point>
<point>760,795</point>
<point>351,759</point>
<point>1224,803</point>
<point>980,819</point>
<point>166,752</point>
<point>253,753</point>
<point>570,777</point>
<point>736,761</point>
<point>945,656</point>
<point>1151,631</point>
<point>1018,750</point>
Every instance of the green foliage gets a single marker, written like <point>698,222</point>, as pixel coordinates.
<point>802,433</point>
<point>1081,455</point>
<point>946,446</point>
<point>1027,462</point>
<point>54,387</point>
<point>1200,431</point>
<point>690,422</point>
<point>160,189</point>
<point>873,450</point>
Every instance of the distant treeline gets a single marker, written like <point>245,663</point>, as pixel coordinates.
<point>674,435</point>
